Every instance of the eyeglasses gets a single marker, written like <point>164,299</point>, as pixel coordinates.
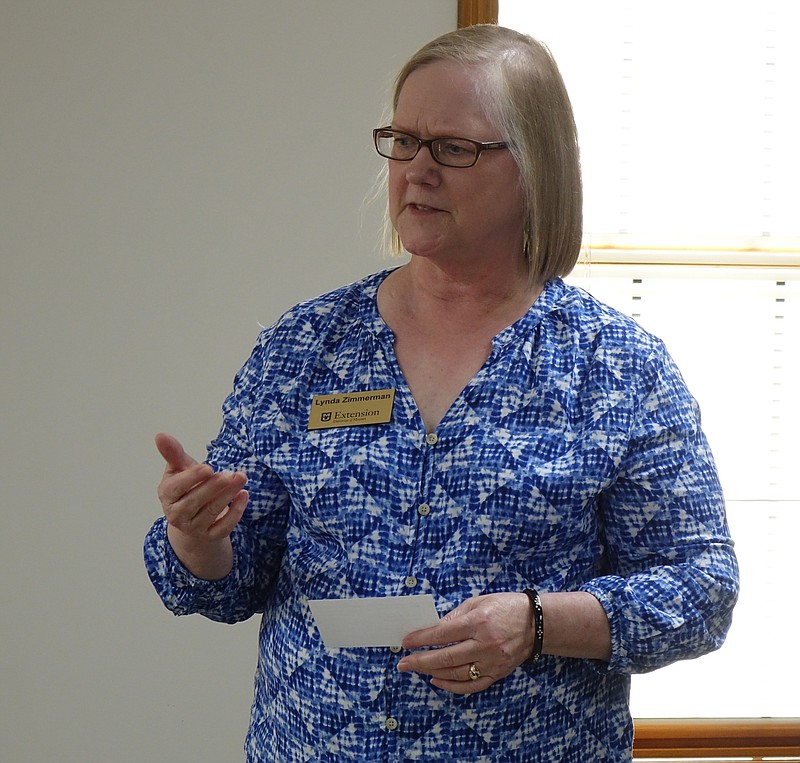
<point>449,152</point>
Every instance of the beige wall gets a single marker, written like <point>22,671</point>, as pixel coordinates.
<point>173,173</point>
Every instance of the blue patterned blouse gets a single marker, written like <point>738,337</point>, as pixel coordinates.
<point>573,460</point>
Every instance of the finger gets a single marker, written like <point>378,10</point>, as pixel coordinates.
<point>447,663</point>
<point>216,494</point>
<point>174,486</point>
<point>204,501</point>
<point>463,674</point>
<point>228,519</point>
<point>454,626</point>
<point>463,687</point>
<point>173,453</point>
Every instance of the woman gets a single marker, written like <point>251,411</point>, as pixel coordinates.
<point>542,472</point>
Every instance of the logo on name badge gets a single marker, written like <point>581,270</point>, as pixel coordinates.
<point>351,409</point>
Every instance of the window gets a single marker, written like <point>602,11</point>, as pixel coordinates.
<point>689,120</point>
<point>734,335</point>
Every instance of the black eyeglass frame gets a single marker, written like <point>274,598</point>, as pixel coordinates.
<point>480,146</point>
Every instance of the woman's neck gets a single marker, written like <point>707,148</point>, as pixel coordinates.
<point>466,299</point>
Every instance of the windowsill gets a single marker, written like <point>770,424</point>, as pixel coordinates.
<point>715,738</point>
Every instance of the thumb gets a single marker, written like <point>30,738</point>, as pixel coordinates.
<point>173,453</point>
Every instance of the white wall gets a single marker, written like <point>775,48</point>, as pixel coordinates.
<point>173,172</point>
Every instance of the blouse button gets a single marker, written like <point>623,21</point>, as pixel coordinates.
<point>391,724</point>
<point>395,649</point>
<point>411,582</point>
<point>424,509</point>
<point>432,438</point>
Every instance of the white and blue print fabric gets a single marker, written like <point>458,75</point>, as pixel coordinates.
<point>573,460</point>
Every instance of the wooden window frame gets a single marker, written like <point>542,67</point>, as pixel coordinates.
<point>477,12</point>
<point>688,739</point>
<point>718,738</point>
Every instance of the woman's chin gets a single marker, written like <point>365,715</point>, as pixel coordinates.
<point>424,247</point>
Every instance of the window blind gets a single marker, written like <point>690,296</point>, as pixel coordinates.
<point>688,118</point>
<point>734,333</point>
<point>687,114</point>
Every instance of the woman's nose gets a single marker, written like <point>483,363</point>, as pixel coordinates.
<point>422,168</point>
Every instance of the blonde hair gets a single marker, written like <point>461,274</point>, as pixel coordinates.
<point>524,96</point>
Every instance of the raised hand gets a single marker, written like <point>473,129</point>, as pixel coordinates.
<point>202,507</point>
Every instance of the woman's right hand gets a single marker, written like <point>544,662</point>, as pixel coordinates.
<point>202,507</point>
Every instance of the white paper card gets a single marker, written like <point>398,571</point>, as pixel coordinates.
<point>381,621</point>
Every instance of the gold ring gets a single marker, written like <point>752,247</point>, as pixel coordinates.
<point>474,673</point>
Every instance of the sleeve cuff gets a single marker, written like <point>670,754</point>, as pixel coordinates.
<point>620,658</point>
<point>181,591</point>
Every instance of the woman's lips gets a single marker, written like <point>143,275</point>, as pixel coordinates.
<point>423,208</point>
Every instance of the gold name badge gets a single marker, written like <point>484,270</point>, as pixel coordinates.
<point>351,409</point>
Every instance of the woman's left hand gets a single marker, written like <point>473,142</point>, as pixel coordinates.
<point>491,634</point>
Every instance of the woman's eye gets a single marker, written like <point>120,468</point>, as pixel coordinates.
<point>453,149</point>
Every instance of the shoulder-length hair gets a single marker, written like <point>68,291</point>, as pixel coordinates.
<point>524,96</point>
